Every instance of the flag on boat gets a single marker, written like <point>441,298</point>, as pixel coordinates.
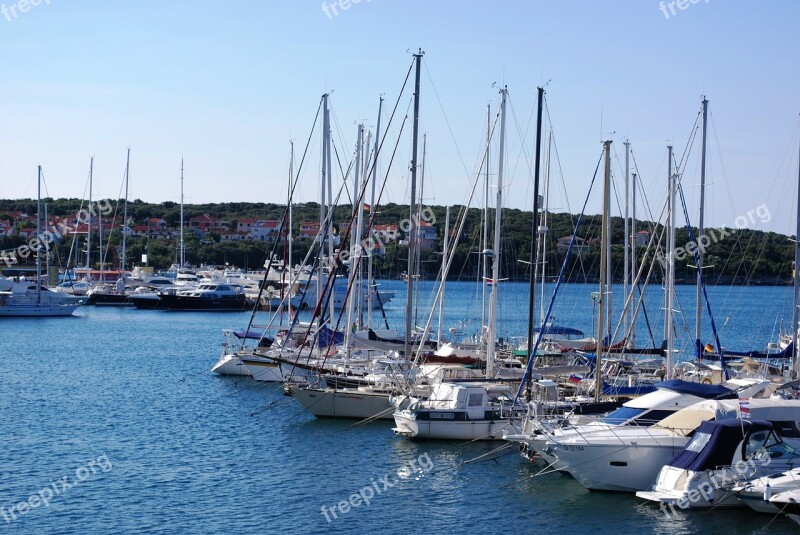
<point>709,348</point>
<point>366,207</point>
<point>574,378</point>
<point>488,282</point>
<point>744,407</point>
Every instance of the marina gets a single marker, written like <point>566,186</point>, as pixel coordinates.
<point>400,267</point>
<point>192,450</point>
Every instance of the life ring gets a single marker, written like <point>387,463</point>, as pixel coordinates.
<point>706,381</point>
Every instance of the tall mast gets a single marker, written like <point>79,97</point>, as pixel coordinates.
<point>323,183</point>
<point>100,239</point>
<point>372,214</point>
<point>632,239</point>
<point>38,234</point>
<point>91,209</point>
<point>485,237</point>
<point>46,246</point>
<point>445,251</point>
<point>609,274</point>
<point>604,236</point>
<point>125,216</point>
<point>417,226</point>
<point>626,242</point>
<point>490,342</point>
<point>412,246</point>
<point>535,223</point>
<point>331,213</point>
<point>183,259</point>
<point>365,180</point>
<point>670,282</point>
<point>543,228</point>
<point>289,240</point>
<point>354,237</point>
<point>795,318</point>
<point>698,312</point>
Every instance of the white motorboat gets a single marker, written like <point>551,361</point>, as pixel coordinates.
<point>459,411</point>
<point>628,459</point>
<point>720,455</point>
<point>644,411</point>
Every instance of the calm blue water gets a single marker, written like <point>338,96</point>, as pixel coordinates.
<point>177,449</point>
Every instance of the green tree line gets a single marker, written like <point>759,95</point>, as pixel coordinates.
<point>732,256</point>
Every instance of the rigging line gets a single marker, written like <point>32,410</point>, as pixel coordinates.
<point>446,120</point>
<point>462,214</point>
<point>558,159</point>
<point>285,216</point>
<point>523,143</point>
<point>722,163</point>
<point>445,269</point>
<point>374,164</point>
<point>479,458</point>
<point>557,286</point>
<point>521,480</point>
<point>345,176</point>
<point>337,262</point>
<point>689,143</point>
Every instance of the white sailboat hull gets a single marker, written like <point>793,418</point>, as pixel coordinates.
<point>231,364</point>
<point>37,309</point>
<point>329,403</point>
<point>265,370</point>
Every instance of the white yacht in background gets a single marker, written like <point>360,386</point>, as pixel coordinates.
<point>26,299</point>
<point>32,298</point>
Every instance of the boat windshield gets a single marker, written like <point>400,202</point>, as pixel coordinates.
<point>640,417</point>
<point>621,415</point>
<point>765,444</point>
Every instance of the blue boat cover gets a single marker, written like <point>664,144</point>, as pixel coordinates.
<point>785,353</point>
<point>250,335</point>
<point>715,443</point>
<point>327,337</point>
<point>698,389</point>
<point>555,329</point>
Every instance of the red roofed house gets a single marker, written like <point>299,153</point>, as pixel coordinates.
<point>265,230</point>
<point>208,223</point>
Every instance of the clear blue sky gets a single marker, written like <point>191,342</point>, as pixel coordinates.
<point>226,85</point>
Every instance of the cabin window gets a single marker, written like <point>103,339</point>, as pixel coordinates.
<point>698,442</point>
<point>787,429</point>
<point>475,400</point>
